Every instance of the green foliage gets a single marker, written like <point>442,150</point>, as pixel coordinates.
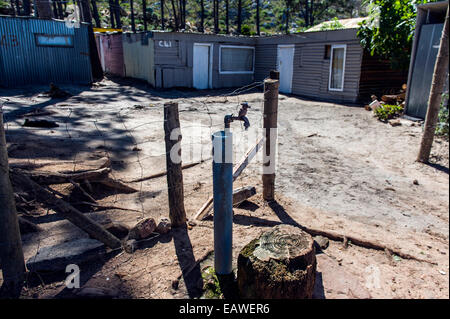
<point>211,284</point>
<point>387,112</point>
<point>333,25</point>
<point>389,31</point>
<point>443,122</point>
<point>245,29</point>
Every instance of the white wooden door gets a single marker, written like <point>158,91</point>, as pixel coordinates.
<point>201,67</point>
<point>285,65</point>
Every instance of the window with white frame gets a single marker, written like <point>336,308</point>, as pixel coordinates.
<point>337,67</point>
<point>236,59</point>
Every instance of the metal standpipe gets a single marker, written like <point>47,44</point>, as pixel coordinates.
<point>223,200</point>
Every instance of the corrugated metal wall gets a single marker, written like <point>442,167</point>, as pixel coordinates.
<point>23,62</point>
<point>310,69</point>
<point>174,59</point>
<point>138,56</point>
<point>110,49</point>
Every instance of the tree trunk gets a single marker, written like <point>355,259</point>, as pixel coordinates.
<point>257,17</point>
<point>44,9</point>
<point>12,7</point>
<point>227,16</point>
<point>133,24</point>
<point>202,16</point>
<point>434,101</point>
<point>279,264</point>
<point>216,16</point>
<point>175,16</point>
<point>239,17</point>
<point>11,254</point>
<point>95,14</point>
<point>26,7</point>
<point>144,12</point>
<point>287,20</point>
<point>85,11</point>
<point>117,14</point>
<point>111,14</point>
<point>162,15</point>
<point>18,7</point>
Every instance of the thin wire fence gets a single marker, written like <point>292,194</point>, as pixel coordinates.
<point>103,133</point>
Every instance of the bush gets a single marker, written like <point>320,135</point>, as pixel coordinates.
<point>245,30</point>
<point>387,112</point>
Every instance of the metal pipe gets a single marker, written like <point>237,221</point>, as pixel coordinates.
<point>223,200</point>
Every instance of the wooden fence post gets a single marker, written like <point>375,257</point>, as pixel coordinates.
<point>172,132</point>
<point>11,254</point>
<point>271,87</point>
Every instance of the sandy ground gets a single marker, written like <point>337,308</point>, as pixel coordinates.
<point>338,170</point>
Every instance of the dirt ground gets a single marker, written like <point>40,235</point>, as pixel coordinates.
<point>339,170</point>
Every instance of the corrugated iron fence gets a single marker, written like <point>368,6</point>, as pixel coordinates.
<point>43,51</point>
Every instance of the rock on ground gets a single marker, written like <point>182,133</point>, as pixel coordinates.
<point>143,229</point>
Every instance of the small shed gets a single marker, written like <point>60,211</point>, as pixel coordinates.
<point>110,50</point>
<point>429,25</point>
<point>327,65</point>
<point>202,61</point>
<point>34,51</point>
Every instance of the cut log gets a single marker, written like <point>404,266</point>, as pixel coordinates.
<point>239,195</point>
<point>80,220</point>
<point>280,264</point>
<point>48,178</point>
<point>66,167</point>
<point>160,174</point>
<point>242,194</point>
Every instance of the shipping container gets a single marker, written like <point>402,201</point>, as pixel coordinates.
<point>34,51</point>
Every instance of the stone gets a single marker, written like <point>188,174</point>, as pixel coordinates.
<point>322,242</point>
<point>395,122</point>
<point>415,182</point>
<point>279,264</point>
<point>143,229</point>
<point>117,229</point>
<point>130,246</point>
<point>58,257</point>
<point>164,226</point>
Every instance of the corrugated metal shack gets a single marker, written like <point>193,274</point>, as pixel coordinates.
<point>110,50</point>
<point>43,51</point>
<point>326,65</point>
<point>171,59</point>
<point>138,56</point>
<point>429,24</point>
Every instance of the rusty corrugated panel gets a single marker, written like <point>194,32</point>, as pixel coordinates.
<point>22,61</point>
<point>111,53</point>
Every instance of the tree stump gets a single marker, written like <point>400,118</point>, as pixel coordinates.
<point>280,264</point>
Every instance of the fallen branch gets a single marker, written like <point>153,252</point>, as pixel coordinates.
<point>121,187</point>
<point>80,220</point>
<point>160,174</point>
<point>106,207</point>
<point>48,178</point>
